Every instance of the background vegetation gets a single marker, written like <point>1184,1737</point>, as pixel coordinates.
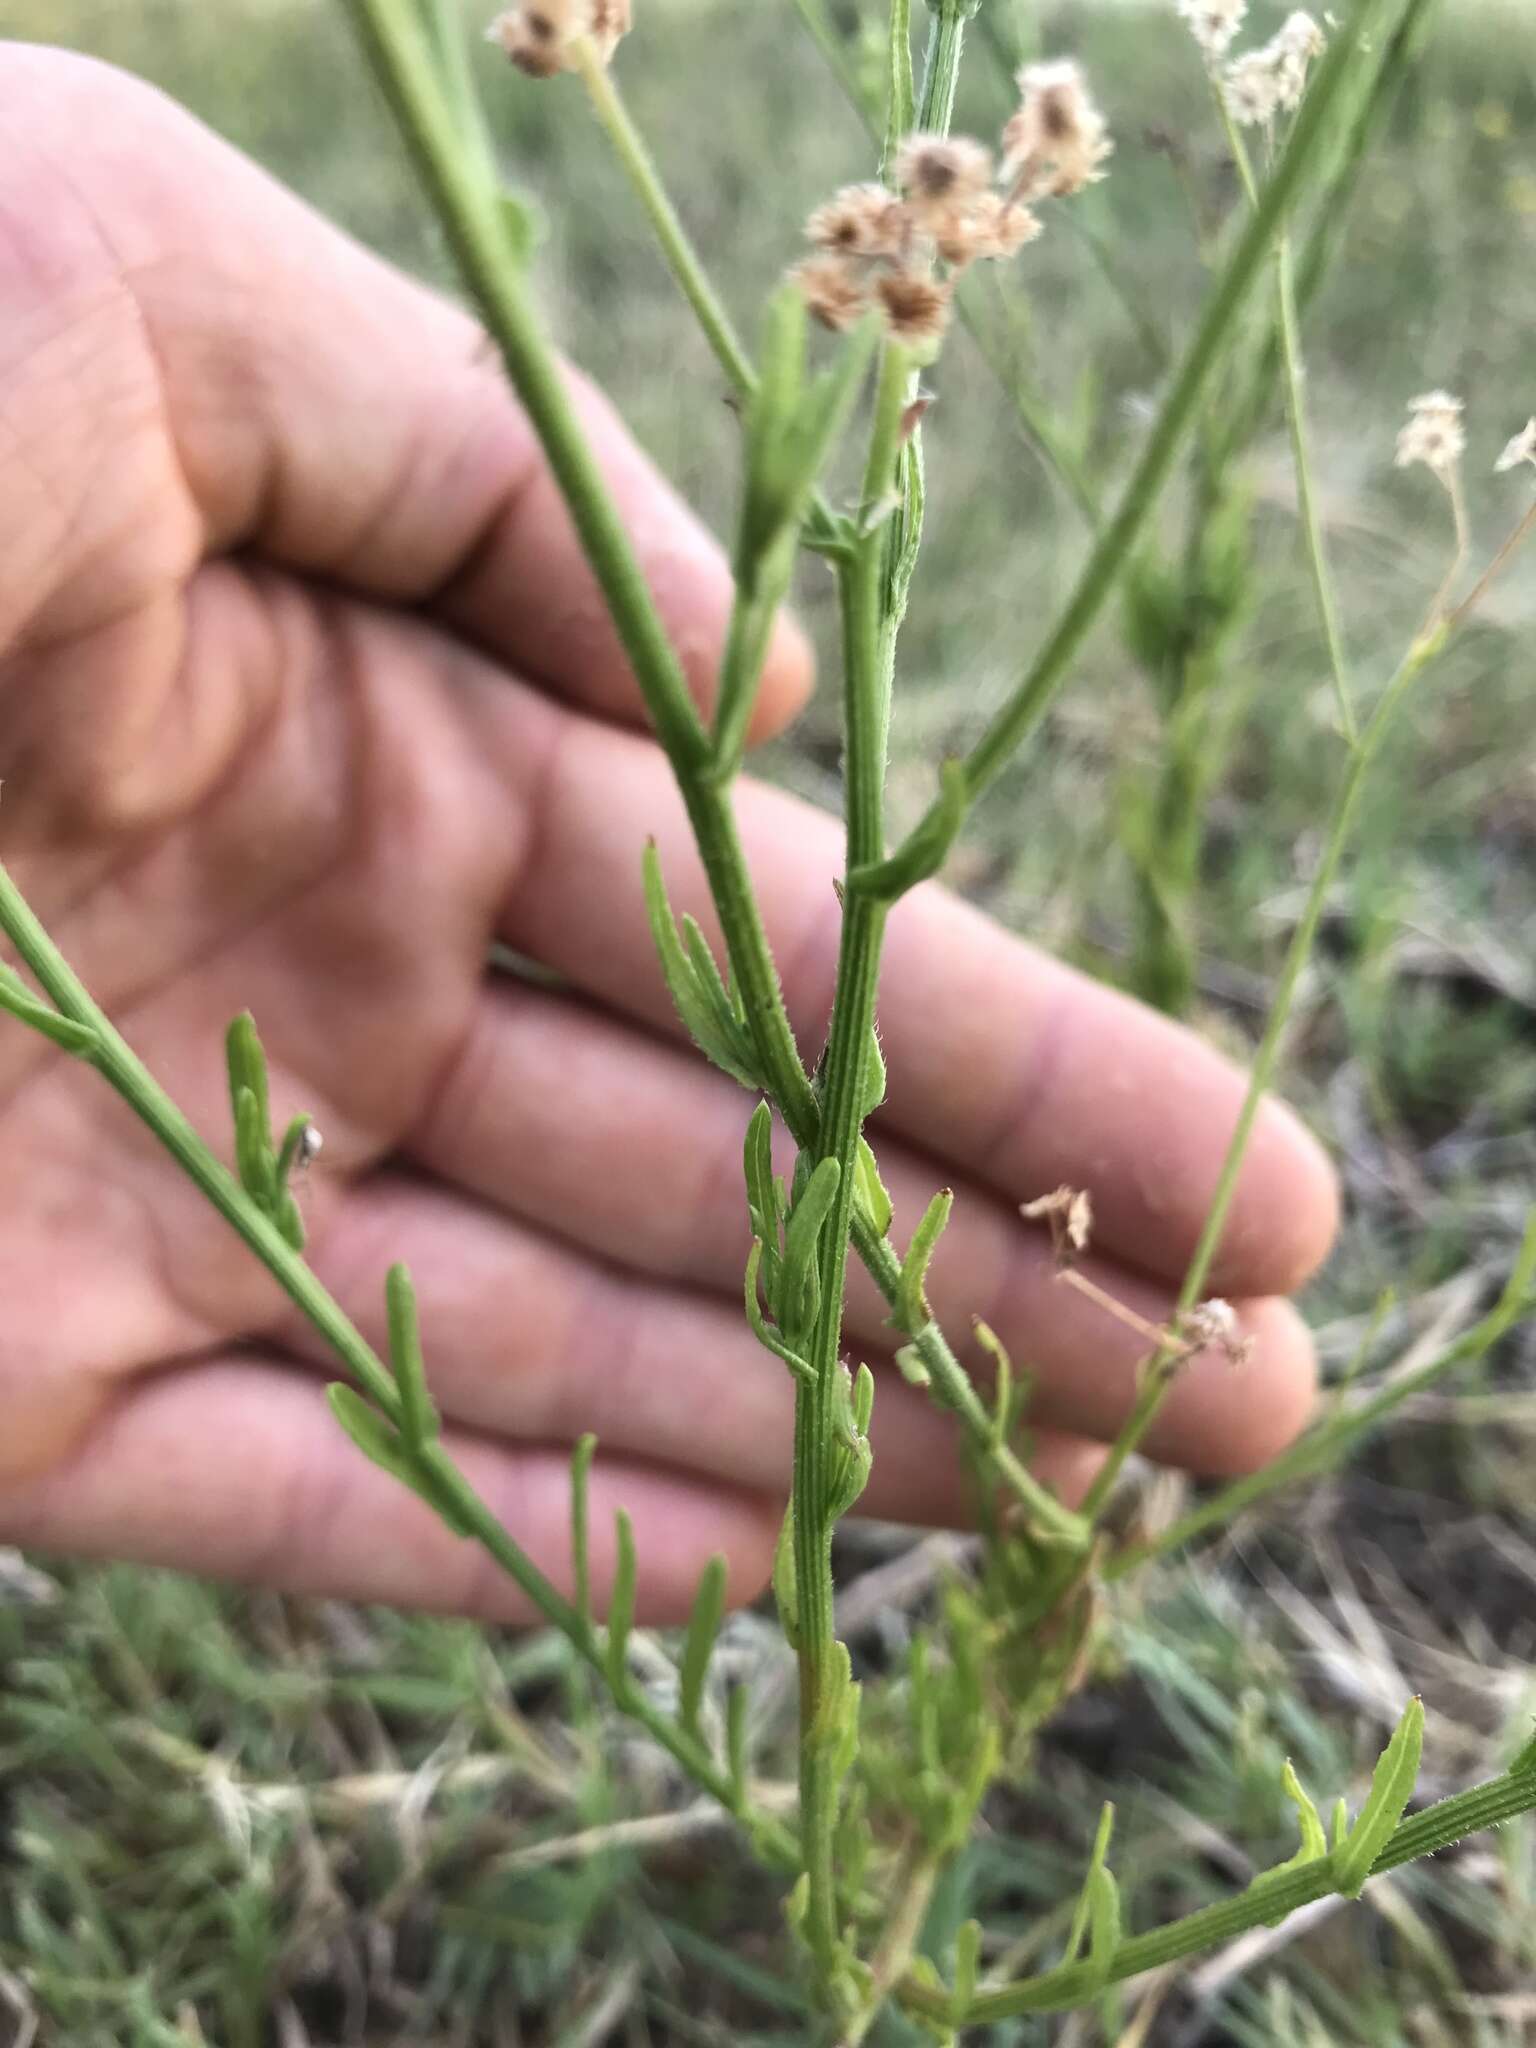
<point>244,1820</point>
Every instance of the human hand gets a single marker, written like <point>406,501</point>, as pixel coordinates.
<point>306,697</point>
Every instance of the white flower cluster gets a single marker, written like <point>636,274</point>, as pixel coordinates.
<point>1271,80</point>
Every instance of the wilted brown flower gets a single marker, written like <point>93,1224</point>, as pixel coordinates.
<point>539,35</point>
<point>939,173</point>
<point>833,290</point>
<point>1069,1214</point>
<point>1213,1326</point>
<point>916,307</point>
<point>1056,142</point>
<point>861,220</point>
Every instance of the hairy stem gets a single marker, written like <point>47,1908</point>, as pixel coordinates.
<point>861,581</point>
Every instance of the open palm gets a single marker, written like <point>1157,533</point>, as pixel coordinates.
<point>306,699</point>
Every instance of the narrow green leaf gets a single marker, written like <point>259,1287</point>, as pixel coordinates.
<point>912,1301</point>
<point>247,1065</point>
<point>289,1220</point>
<point>1340,1821</point>
<point>1524,1765</point>
<point>371,1433</point>
<point>291,1150</point>
<point>1097,1861</point>
<point>785,1590</point>
<point>1003,1416</point>
<point>699,1643</point>
<point>967,1961</point>
<point>863,1400</point>
<point>871,1192</point>
<point>253,1150</point>
<point>581,1570</point>
<point>621,1608</point>
<point>19,1001</point>
<point>418,1415</point>
<point>900,98</point>
<point>909,1363</point>
<point>692,1003</point>
<point>1103,1924</point>
<point>707,975</point>
<point>874,1076</point>
<point>926,848</point>
<point>1396,1774</point>
<point>763,1331</point>
<point>1314,1837</point>
<point>736,1739</point>
<point>800,1287</point>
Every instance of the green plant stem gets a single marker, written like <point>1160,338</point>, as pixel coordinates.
<point>1037,691</point>
<point>1293,367</point>
<point>912,1894</point>
<point>682,258</point>
<point>861,583</point>
<point>1267,1901</point>
<point>117,1063</point>
<point>469,220</point>
<point>1321,1449</point>
<point>1159,1374</point>
<point>941,64</point>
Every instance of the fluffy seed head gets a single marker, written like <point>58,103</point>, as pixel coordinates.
<point>538,35</point>
<point>833,290</point>
<point>1292,51</point>
<point>861,220</point>
<point>938,173</point>
<point>992,228</point>
<point>1251,88</point>
<point>1213,23</point>
<point>1057,141</point>
<point>1521,449</point>
<point>916,307</point>
<point>1434,434</point>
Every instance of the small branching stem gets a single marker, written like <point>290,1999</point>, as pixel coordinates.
<point>1161,1370</point>
<point>1267,1901</point>
<point>115,1060</point>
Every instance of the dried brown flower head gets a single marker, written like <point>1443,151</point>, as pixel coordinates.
<point>539,35</point>
<point>1068,1212</point>
<point>916,307</point>
<point>1057,141</point>
<point>937,173</point>
<point>833,289</point>
<point>861,220</point>
<point>1213,1326</point>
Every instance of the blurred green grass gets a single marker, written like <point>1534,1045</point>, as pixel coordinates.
<point>242,1819</point>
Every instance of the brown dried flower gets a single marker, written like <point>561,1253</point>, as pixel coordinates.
<point>1068,1212</point>
<point>993,229</point>
<point>861,220</point>
<point>1213,1326</point>
<point>539,35</point>
<point>1434,434</point>
<point>939,173</point>
<point>833,290</point>
<point>916,307</point>
<point>1056,142</point>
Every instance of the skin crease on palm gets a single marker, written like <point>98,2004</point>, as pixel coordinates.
<point>305,698</point>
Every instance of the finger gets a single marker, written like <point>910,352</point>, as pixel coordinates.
<point>1007,1066</point>
<point>532,1340</point>
<point>318,406</point>
<point>236,1469</point>
<point>619,1143</point>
